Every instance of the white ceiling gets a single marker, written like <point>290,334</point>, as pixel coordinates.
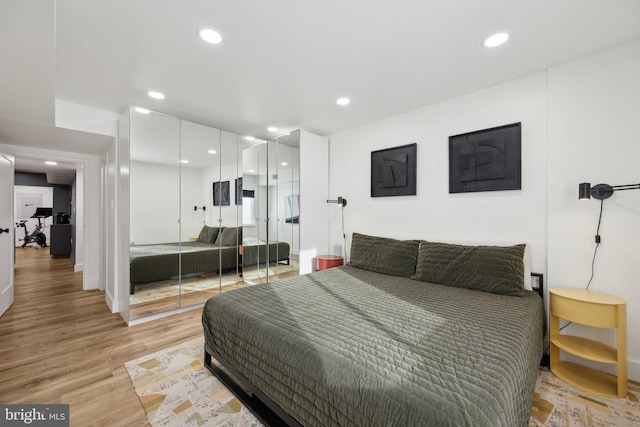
<point>284,62</point>
<point>62,173</point>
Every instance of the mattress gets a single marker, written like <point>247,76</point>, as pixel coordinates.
<point>347,346</point>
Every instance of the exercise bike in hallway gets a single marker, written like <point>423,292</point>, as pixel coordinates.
<point>37,236</point>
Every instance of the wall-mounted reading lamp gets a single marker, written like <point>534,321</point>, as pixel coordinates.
<point>602,191</point>
<point>204,208</point>
<point>341,202</point>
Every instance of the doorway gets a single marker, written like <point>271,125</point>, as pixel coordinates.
<point>46,218</point>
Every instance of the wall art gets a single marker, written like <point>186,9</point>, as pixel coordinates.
<point>221,193</point>
<point>485,160</point>
<point>238,191</point>
<point>393,171</point>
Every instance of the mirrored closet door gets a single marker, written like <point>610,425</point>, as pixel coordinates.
<point>209,212</point>
<point>271,209</point>
<point>184,213</point>
<point>154,172</point>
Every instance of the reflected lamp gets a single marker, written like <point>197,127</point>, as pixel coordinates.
<point>340,201</point>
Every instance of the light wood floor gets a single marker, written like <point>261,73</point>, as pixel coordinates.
<point>137,311</point>
<point>60,344</point>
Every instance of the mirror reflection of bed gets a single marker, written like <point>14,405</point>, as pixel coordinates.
<point>188,243</point>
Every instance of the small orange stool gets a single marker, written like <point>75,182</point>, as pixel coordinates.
<point>327,261</point>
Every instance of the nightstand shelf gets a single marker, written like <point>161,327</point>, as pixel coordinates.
<point>586,348</point>
<point>593,309</point>
<point>587,378</point>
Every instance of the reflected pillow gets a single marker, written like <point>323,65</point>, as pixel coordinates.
<point>208,234</point>
<point>384,255</point>
<point>229,236</point>
<point>495,269</point>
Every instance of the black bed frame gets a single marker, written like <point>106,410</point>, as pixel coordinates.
<point>265,409</point>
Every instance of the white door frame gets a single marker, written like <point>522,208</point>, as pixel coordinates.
<point>7,239</point>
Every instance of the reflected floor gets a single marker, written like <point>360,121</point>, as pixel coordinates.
<point>159,297</point>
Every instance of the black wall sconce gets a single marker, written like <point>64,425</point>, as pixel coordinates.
<point>602,191</point>
<point>204,208</point>
<point>341,202</point>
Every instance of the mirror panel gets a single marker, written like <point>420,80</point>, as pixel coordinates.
<point>200,156</point>
<point>288,203</point>
<point>154,214</point>
<point>231,229</point>
<point>254,215</point>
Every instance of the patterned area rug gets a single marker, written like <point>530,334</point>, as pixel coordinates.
<point>556,403</point>
<point>175,389</point>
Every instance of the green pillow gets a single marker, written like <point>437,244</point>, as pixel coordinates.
<point>495,269</point>
<point>229,236</point>
<point>384,255</point>
<point>208,234</point>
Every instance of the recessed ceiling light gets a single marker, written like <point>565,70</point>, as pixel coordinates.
<point>250,138</point>
<point>284,163</point>
<point>272,129</point>
<point>184,161</point>
<point>210,36</point>
<point>211,151</point>
<point>48,162</point>
<point>496,40</point>
<point>142,110</point>
<point>251,170</point>
<point>343,101</point>
<point>156,95</point>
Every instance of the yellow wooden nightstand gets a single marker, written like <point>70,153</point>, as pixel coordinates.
<point>598,310</point>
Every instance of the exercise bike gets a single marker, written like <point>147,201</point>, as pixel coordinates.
<point>37,236</point>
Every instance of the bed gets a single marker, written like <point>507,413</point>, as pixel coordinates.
<point>153,263</point>
<point>375,343</point>
<point>215,250</point>
<point>254,251</point>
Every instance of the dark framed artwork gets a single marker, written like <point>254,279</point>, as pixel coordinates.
<point>238,191</point>
<point>393,171</point>
<point>486,160</point>
<point>221,193</point>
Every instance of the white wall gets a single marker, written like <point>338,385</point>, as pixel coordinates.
<point>86,119</point>
<point>109,227</point>
<point>155,202</point>
<point>594,128</point>
<point>579,124</point>
<point>433,213</point>
<point>314,179</point>
<point>47,201</point>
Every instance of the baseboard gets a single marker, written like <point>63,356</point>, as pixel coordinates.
<point>92,284</point>
<point>164,314</point>
<point>633,370</point>
<point>110,302</point>
<point>78,267</point>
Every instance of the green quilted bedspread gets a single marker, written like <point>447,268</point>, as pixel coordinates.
<point>347,346</point>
